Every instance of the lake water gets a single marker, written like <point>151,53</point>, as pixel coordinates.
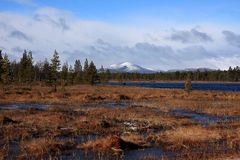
<point>231,87</point>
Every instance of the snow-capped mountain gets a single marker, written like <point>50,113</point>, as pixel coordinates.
<point>130,68</point>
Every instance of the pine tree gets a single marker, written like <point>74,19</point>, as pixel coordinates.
<point>23,66</point>
<point>85,71</point>
<point>30,68</point>
<point>71,75</point>
<point>46,71</point>
<point>64,73</point>
<point>230,74</point>
<point>92,73</point>
<point>26,72</point>
<point>104,74</point>
<point>77,72</point>
<point>55,67</point>
<point>101,70</point>
<point>38,67</point>
<point>14,71</point>
<point>5,71</point>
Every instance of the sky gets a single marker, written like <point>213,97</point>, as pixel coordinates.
<point>156,34</point>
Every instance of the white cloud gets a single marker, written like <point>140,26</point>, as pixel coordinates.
<point>192,36</point>
<point>48,29</point>
<point>232,38</point>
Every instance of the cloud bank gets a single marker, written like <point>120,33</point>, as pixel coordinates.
<point>192,36</point>
<point>47,29</point>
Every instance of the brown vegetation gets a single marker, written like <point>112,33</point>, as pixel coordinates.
<point>145,121</point>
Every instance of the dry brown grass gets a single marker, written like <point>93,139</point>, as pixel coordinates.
<point>85,93</point>
<point>3,151</point>
<point>186,137</point>
<point>148,116</point>
<point>41,147</point>
<point>213,107</point>
<point>114,144</point>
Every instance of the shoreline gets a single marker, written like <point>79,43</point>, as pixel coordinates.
<point>176,81</point>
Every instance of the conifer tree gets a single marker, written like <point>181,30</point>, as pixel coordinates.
<point>46,71</point>
<point>55,67</point>
<point>85,71</point>
<point>5,71</point>
<point>14,71</point>
<point>77,72</point>
<point>92,73</point>
<point>104,74</point>
<point>71,75</point>
<point>64,73</point>
<point>26,72</point>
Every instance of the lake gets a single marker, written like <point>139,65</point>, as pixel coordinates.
<point>230,87</point>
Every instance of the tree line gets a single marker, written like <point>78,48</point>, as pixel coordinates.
<point>232,75</point>
<point>50,72</point>
<point>26,71</point>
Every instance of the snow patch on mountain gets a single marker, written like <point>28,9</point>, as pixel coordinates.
<point>129,68</point>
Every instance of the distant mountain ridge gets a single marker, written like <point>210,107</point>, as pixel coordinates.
<point>127,67</point>
<point>191,70</point>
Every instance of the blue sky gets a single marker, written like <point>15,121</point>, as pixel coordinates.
<point>225,11</point>
<point>153,33</point>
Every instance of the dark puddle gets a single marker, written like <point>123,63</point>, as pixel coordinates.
<point>23,106</point>
<point>80,154</point>
<point>203,118</point>
<point>107,104</point>
<point>13,151</point>
<point>141,153</point>
<point>120,104</point>
<point>128,155</point>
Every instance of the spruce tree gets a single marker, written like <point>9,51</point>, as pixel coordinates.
<point>5,71</point>
<point>55,67</point>
<point>77,72</point>
<point>30,67</point>
<point>64,73</point>
<point>71,75</point>
<point>92,73</point>
<point>26,72</point>
<point>23,67</point>
<point>85,71</point>
<point>46,71</point>
<point>14,71</point>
